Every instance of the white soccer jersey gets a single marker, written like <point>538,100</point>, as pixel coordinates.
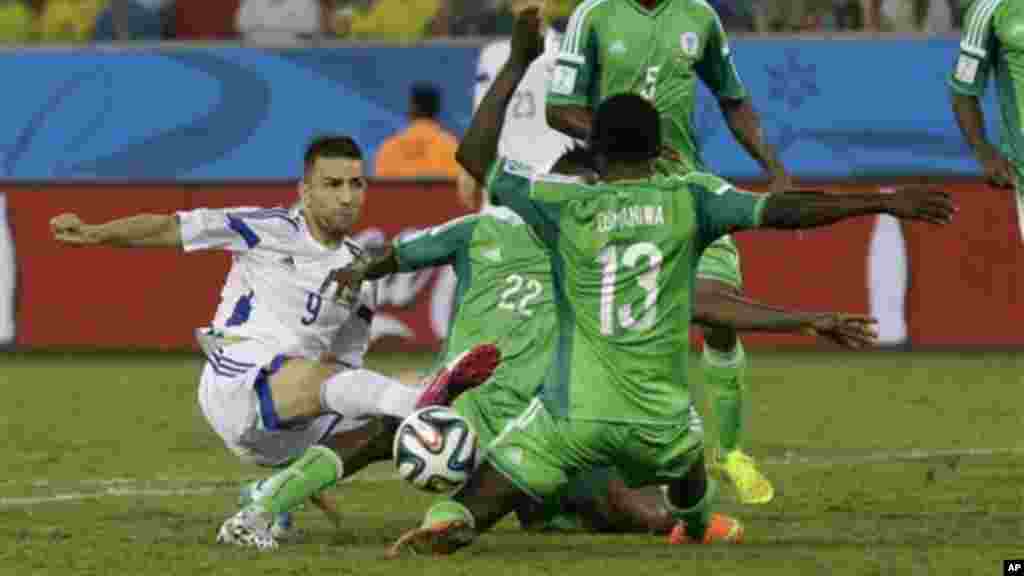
<point>271,294</point>
<point>526,137</point>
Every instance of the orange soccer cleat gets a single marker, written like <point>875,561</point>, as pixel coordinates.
<point>721,530</point>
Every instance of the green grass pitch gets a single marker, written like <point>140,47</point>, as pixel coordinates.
<point>884,463</point>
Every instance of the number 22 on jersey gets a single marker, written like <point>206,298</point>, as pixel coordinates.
<point>644,254</point>
<point>519,294</point>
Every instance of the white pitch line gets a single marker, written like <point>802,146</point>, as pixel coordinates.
<point>72,496</point>
<point>127,487</point>
<point>882,457</point>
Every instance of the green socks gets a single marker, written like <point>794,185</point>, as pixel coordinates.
<point>448,511</point>
<point>317,469</point>
<point>723,373</point>
<point>698,517</point>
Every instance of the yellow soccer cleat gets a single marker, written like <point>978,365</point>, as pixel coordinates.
<point>741,471</point>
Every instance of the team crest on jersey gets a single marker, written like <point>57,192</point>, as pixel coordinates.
<point>689,42</point>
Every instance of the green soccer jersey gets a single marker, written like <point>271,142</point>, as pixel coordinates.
<point>618,46</point>
<point>993,41</point>
<point>623,257</point>
<point>503,292</point>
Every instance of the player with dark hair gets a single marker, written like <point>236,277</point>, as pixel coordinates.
<point>622,252</point>
<point>284,372</point>
<point>659,49</point>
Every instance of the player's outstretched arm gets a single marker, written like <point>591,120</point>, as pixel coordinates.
<point>479,147</point>
<point>971,119</point>
<point>812,209</point>
<point>715,308</point>
<point>140,231</point>
<point>745,125</point>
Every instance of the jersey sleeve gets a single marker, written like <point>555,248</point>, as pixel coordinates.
<point>575,75</point>
<point>235,229</point>
<point>722,208</point>
<point>435,246</point>
<point>352,340</point>
<point>511,184</point>
<point>977,49</point>
<point>716,68</point>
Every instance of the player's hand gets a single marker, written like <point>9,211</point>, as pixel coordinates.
<point>68,228</point>
<point>918,203</point>
<point>998,170</point>
<point>527,39</point>
<point>350,282</point>
<point>847,330</point>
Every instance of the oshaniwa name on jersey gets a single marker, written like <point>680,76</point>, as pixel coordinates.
<point>630,217</point>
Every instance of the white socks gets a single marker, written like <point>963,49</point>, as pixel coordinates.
<point>358,394</point>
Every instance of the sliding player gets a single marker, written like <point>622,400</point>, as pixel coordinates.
<point>283,372</point>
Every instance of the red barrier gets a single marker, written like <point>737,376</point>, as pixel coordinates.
<point>964,285</point>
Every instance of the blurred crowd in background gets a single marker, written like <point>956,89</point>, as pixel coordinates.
<point>306,21</point>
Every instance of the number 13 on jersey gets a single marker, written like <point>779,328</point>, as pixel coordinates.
<point>634,255</point>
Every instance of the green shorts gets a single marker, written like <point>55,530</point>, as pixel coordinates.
<point>488,410</point>
<point>540,453</point>
<point>721,261</point>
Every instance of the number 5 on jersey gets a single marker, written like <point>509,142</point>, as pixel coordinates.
<point>633,256</point>
<point>650,83</point>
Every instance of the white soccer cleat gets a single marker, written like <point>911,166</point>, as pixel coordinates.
<point>281,528</point>
<point>249,528</point>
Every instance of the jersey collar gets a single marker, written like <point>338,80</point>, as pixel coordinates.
<point>647,11</point>
<point>346,242</point>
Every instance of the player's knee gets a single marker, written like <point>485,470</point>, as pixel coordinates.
<point>295,384</point>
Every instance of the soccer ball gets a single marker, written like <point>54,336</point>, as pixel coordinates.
<point>435,449</point>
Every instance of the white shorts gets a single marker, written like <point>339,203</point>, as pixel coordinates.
<point>234,397</point>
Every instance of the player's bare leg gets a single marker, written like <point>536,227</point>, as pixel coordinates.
<point>454,523</point>
<point>724,364</point>
<point>600,501</point>
<point>627,511</point>
<point>303,388</point>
